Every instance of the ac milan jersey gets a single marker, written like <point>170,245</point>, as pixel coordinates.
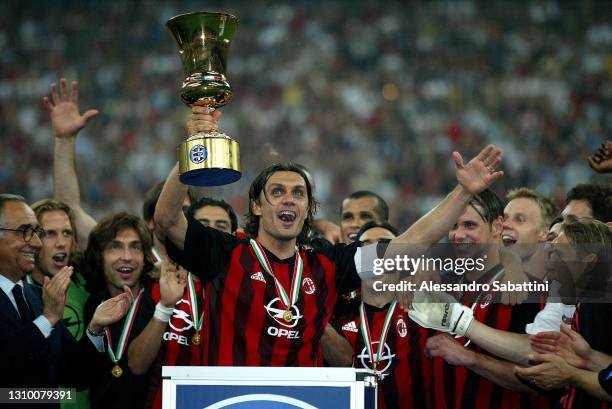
<point>246,322</point>
<point>405,369</point>
<point>592,321</point>
<point>177,347</point>
<point>459,387</point>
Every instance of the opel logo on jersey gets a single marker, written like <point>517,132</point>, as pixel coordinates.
<point>276,311</point>
<point>402,328</point>
<point>308,286</point>
<point>181,320</point>
<point>386,359</point>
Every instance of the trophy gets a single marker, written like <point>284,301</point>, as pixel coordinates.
<point>206,159</point>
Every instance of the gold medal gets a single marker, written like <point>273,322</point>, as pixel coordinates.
<point>195,339</point>
<point>288,316</point>
<point>117,371</point>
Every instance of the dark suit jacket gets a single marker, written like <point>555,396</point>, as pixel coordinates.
<point>28,359</point>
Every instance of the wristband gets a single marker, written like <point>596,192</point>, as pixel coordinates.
<point>162,312</point>
<point>605,379</point>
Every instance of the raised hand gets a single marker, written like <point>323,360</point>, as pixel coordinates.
<point>111,311</point>
<point>172,281</point>
<point>479,173</point>
<point>64,110</point>
<point>54,294</point>
<point>568,344</point>
<point>601,160</point>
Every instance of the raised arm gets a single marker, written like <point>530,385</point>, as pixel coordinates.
<point>169,219</point>
<point>472,178</point>
<point>66,122</point>
<point>144,348</point>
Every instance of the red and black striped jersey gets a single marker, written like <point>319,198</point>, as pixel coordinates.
<point>459,387</point>
<point>177,348</point>
<point>245,324</point>
<point>405,369</point>
<point>592,321</point>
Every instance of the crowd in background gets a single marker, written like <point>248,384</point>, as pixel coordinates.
<point>367,95</point>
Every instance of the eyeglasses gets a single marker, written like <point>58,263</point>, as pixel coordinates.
<point>28,232</point>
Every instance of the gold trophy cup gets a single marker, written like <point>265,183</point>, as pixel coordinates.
<point>206,159</point>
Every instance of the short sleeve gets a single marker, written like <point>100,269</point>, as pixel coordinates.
<point>207,251</point>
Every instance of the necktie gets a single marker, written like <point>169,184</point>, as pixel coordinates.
<point>22,305</point>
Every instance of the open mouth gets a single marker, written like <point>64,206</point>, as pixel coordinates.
<point>508,240</point>
<point>30,256</point>
<point>287,216</point>
<point>60,259</point>
<point>125,272</point>
<point>352,236</point>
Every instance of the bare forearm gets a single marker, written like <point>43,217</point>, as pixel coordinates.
<point>504,344</point>
<point>589,382</point>
<point>598,361</point>
<point>169,218</point>
<point>430,228</point>
<point>336,350</point>
<point>144,349</point>
<point>499,372</point>
<point>66,186</point>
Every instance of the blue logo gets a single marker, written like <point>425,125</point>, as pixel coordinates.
<point>198,154</point>
<point>256,401</point>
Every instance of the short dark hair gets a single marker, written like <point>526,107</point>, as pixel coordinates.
<point>209,201</point>
<point>382,207</point>
<point>8,197</point>
<point>92,265</point>
<point>491,205</point>
<point>151,198</point>
<point>372,224</point>
<point>251,226</point>
<point>599,198</point>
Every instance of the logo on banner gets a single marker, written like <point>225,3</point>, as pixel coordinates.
<point>261,400</point>
<point>402,328</point>
<point>386,358</point>
<point>308,286</point>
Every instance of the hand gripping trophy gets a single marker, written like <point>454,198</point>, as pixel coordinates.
<point>206,159</point>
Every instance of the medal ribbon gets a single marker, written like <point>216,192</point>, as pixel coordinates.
<point>367,337</point>
<point>295,282</point>
<point>29,279</point>
<point>125,332</point>
<point>157,258</point>
<point>197,322</point>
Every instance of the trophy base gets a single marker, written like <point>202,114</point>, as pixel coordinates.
<point>209,161</point>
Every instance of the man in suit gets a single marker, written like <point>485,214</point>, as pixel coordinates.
<point>36,349</point>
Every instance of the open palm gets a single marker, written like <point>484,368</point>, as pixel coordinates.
<point>479,173</point>
<point>64,110</point>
